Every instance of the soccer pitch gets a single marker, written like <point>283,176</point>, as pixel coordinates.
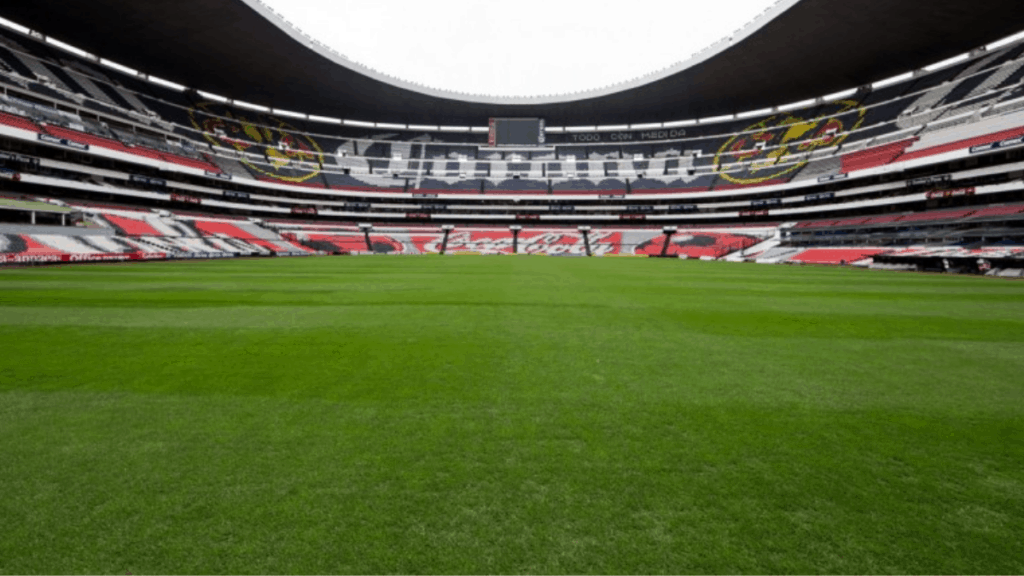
<point>508,415</point>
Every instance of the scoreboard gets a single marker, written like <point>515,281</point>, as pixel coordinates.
<point>516,132</point>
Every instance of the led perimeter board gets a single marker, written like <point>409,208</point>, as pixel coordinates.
<point>516,132</point>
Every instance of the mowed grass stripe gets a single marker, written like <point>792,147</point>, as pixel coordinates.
<point>508,415</point>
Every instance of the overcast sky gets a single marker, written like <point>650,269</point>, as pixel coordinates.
<point>520,47</point>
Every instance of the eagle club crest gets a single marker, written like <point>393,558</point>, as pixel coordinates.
<point>769,144</point>
<point>291,156</point>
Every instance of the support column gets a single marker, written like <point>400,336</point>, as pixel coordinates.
<point>366,228</point>
<point>669,232</point>
<point>447,228</point>
<point>585,230</point>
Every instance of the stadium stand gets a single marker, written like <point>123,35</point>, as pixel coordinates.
<point>830,169</point>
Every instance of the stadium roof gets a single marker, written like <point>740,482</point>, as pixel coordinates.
<point>799,50</point>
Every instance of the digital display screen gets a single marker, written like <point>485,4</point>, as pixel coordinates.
<point>516,132</point>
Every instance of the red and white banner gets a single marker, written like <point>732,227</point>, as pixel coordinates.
<point>951,193</point>
<point>186,199</point>
<point>70,258</point>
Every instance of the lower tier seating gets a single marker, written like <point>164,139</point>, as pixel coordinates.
<point>640,242</point>
<point>836,255</point>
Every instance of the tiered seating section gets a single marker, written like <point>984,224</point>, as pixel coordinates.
<point>866,256</point>
<point>932,216</point>
<point>693,243</point>
<point>948,112</point>
<point>874,157</point>
<point>139,234</point>
<point>107,143</point>
<point>855,134</point>
<point>144,235</point>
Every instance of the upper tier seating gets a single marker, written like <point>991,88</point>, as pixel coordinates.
<point>851,221</point>
<point>884,219</point>
<point>443,186</point>
<point>874,157</point>
<point>964,143</point>
<point>885,137</point>
<point>937,215</point>
<point>316,182</point>
<point>110,144</point>
<point>929,216</point>
<point>519,186</point>
<point>229,166</point>
<point>18,122</point>
<point>91,88</point>
<point>582,185</point>
<point>995,211</point>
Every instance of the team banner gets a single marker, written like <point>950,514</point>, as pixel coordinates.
<point>63,142</point>
<point>139,179</point>
<point>951,193</point>
<point>292,156</point>
<point>928,180</point>
<point>833,178</point>
<point>1012,142</point>
<point>186,199</point>
<point>31,162</point>
<point>818,197</point>
<point>59,258</point>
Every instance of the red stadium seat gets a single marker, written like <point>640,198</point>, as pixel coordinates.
<point>874,157</point>
<point>131,226</point>
<point>18,122</point>
<point>836,255</point>
<point>211,228</point>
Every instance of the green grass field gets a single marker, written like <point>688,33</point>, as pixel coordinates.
<point>508,415</point>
